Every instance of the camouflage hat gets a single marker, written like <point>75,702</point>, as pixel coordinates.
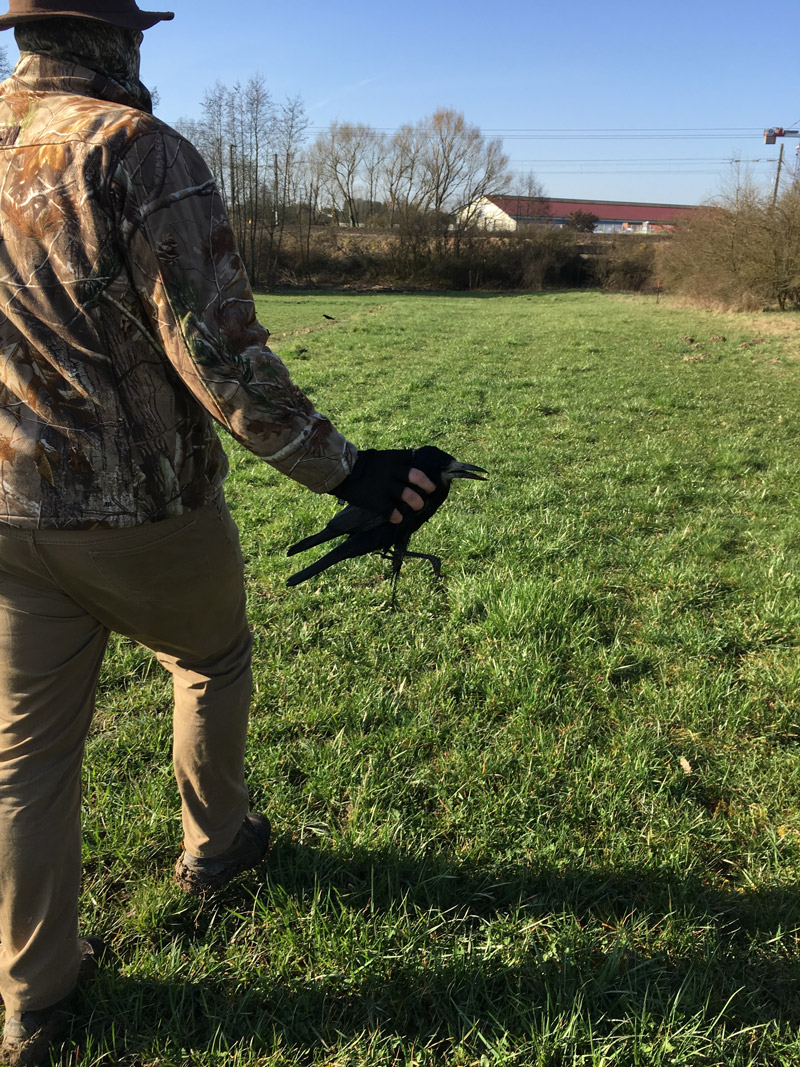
<point>118,12</point>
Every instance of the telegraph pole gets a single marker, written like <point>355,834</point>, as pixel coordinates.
<point>231,147</point>
<point>770,136</point>
<point>777,178</point>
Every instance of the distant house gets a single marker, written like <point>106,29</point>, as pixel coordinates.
<point>515,212</point>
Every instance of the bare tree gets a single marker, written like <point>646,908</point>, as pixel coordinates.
<point>253,122</point>
<point>440,169</point>
<point>251,147</point>
<point>290,128</point>
<point>305,196</point>
<point>401,167</point>
<point>305,184</point>
<point>211,136</point>
<point>525,183</point>
<point>375,152</point>
<point>345,155</point>
<point>460,168</point>
<point>531,201</point>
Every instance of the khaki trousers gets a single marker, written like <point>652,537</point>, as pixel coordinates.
<point>175,586</point>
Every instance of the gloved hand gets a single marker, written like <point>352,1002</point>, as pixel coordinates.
<point>377,480</point>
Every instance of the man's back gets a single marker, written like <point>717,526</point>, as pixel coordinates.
<point>88,407</point>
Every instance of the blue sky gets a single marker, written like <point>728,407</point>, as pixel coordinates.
<point>615,100</point>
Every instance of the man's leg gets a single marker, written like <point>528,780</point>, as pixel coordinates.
<point>178,587</point>
<point>50,655</point>
<point>212,702</point>
<point>175,586</point>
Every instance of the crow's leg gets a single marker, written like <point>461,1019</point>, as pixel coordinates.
<point>434,561</point>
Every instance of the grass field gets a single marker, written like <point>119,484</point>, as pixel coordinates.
<point>547,811</point>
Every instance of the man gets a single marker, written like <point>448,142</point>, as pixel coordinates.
<point>126,327</point>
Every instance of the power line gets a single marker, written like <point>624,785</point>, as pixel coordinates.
<point>609,131</point>
<point>627,134</point>
<point>588,136</point>
<point>654,160</point>
<point>629,129</point>
<point>635,173</point>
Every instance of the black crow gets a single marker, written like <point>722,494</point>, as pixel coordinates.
<point>366,531</point>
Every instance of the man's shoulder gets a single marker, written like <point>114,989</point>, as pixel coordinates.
<point>93,120</point>
<point>65,116</point>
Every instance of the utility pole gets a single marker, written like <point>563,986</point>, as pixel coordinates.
<point>770,136</point>
<point>777,178</point>
<point>233,180</point>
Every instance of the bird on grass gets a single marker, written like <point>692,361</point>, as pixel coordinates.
<point>366,531</point>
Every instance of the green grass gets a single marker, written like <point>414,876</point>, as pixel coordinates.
<point>547,812</point>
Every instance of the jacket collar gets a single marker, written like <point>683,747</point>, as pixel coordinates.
<point>43,74</point>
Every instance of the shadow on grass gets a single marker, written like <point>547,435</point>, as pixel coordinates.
<point>587,954</point>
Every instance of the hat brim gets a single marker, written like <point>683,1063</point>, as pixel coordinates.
<point>134,20</point>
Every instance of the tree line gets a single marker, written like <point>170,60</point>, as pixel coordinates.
<point>421,182</point>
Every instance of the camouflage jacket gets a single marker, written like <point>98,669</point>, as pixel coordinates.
<point>127,322</point>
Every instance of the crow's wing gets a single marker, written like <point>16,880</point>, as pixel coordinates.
<point>347,521</point>
<point>375,539</point>
<point>336,555</point>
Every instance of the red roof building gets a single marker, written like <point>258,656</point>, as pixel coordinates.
<point>513,212</point>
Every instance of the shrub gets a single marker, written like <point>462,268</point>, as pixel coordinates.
<point>625,265</point>
<point>742,253</point>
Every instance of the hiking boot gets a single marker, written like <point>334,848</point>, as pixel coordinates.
<point>197,875</point>
<point>29,1035</point>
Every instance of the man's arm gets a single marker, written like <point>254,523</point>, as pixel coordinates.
<point>186,268</point>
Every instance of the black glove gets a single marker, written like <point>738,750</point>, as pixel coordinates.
<point>377,480</point>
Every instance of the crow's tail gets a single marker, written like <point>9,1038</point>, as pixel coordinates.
<point>330,559</point>
<point>310,541</point>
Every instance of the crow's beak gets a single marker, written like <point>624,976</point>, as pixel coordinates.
<point>467,470</point>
